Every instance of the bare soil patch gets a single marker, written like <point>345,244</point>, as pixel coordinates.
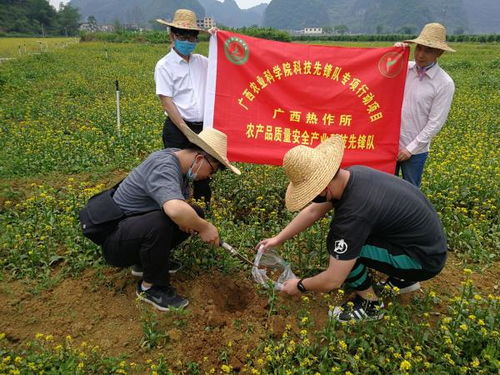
<point>227,314</point>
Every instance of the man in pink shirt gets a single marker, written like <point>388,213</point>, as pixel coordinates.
<point>427,101</point>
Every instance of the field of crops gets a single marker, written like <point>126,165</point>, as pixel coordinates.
<point>59,145</point>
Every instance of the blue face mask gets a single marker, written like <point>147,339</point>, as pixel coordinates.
<point>185,47</point>
<point>190,175</point>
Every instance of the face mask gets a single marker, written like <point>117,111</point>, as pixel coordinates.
<point>190,175</point>
<point>184,47</point>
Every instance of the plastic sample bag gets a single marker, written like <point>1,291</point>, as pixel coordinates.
<point>269,269</point>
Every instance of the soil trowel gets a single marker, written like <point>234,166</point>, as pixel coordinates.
<point>236,253</point>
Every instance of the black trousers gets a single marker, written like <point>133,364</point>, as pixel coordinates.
<point>173,137</point>
<point>146,240</point>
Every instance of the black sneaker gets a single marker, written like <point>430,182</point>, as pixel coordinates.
<point>163,298</point>
<point>394,286</point>
<point>173,268</point>
<point>358,309</point>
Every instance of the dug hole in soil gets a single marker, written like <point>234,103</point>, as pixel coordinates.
<point>228,316</point>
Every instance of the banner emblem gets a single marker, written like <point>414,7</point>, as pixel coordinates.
<point>391,64</point>
<point>236,50</point>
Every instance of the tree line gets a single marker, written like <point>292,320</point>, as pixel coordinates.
<point>37,17</point>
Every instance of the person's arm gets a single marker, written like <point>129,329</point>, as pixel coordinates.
<point>437,117</point>
<point>307,217</point>
<point>332,278</point>
<point>171,110</point>
<point>186,217</point>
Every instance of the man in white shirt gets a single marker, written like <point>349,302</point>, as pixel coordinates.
<point>180,78</point>
<point>427,100</point>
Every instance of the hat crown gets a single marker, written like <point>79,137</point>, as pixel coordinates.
<point>433,32</point>
<point>215,139</point>
<point>432,35</point>
<point>299,162</point>
<point>184,17</point>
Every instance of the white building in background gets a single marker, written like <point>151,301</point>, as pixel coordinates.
<point>93,27</point>
<point>313,30</point>
<point>206,23</point>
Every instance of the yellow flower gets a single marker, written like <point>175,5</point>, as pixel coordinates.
<point>467,271</point>
<point>227,369</point>
<point>405,365</point>
<point>475,363</point>
<point>342,345</point>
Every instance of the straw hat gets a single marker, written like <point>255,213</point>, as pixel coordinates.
<point>310,170</point>
<point>213,142</point>
<point>433,35</point>
<point>183,19</point>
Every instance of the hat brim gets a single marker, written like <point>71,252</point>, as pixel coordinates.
<point>432,44</point>
<point>177,26</point>
<point>299,195</point>
<point>196,140</point>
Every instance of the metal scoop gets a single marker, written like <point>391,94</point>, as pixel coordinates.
<point>235,253</point>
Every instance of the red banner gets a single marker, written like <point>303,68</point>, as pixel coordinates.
<point>271,96</point>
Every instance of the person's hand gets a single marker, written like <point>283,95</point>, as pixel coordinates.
<point>401,44</point>
<point>268,243</point>
<point>403,154</point>
<point>213,30</point>
<point>188,230</point>
<point>210,234</point>
<point>290,287</point>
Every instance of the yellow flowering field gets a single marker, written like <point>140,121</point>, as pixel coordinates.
<point>15,47</point>
<point>59,146</point>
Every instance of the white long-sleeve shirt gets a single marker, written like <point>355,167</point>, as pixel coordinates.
<point>426,104</point>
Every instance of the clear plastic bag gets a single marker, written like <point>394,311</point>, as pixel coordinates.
<point>269,261</point>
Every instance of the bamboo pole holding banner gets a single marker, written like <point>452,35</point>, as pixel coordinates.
<point>118,125</point>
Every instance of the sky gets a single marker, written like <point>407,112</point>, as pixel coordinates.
<point>243,4</point>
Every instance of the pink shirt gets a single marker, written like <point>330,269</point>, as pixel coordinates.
<point>426,104</point>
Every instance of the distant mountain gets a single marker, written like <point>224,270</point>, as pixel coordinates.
<point>140,12</point>
<point>483,15</point>
<point>385,16</point>
<point>360,16</point>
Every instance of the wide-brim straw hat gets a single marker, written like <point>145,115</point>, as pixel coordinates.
<point>213,142</point>
<point>310,170</point>
<point>183,19</point>
<point>433,35</point>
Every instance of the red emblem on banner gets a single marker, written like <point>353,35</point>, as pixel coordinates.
<point>391,64</point>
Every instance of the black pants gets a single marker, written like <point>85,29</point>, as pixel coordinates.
<point>173,137</point>
<point>146,240</point>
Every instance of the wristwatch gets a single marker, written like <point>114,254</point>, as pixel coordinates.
<point>301,287</point>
